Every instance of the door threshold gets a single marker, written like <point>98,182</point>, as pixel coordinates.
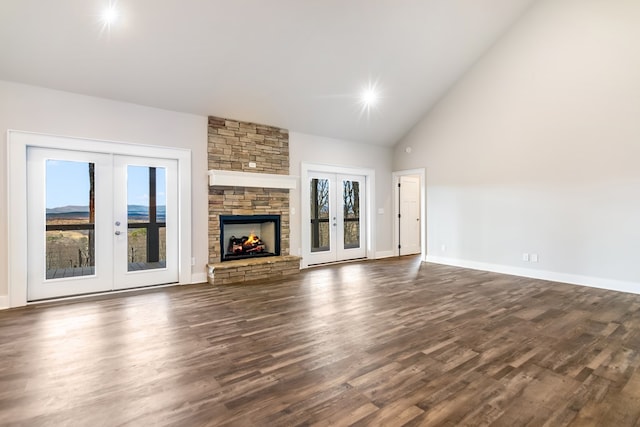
<point>322,264</point>
<point>100,294</point>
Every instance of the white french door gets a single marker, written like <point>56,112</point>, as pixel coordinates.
<point>99,222</point>
<point>146,221</point>
<point>337,218</point>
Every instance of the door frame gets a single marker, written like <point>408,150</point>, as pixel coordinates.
<point>305,210</point>
<point>17,143</point>
<point>395,177</point>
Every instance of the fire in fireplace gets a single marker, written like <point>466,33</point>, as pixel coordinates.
<point>246,245</point>
<point>248,236</point>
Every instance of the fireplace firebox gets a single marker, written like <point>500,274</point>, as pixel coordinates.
<point>249,236</point>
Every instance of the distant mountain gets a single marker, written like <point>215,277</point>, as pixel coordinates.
<point>68,209</point>
<point>142,212</point>
<point>135,212</point>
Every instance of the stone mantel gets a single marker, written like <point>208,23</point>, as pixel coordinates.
<point>251,180</point>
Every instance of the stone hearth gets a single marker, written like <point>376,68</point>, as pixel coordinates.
<point>247,270</point>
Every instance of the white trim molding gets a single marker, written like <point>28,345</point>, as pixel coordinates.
<point>572,279</point>
<point>4,302</point>
<point>198,278</point>
<point>384,254</point>
<point>249,179</point>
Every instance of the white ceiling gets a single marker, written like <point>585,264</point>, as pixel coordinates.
<point>298,64</point>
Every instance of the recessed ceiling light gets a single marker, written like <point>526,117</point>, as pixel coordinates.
<point>110,15</point>
<point>369,97</point>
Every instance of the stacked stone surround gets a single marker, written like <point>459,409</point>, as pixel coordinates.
<point>246,201</point>
<point>231,146</point>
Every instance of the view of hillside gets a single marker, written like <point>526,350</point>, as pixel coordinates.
<point>75,248</point>
<point>134,212</point>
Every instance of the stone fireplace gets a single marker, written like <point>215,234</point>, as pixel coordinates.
<point>248,177</point>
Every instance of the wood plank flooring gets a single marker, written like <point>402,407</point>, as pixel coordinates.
<point>391,342</point>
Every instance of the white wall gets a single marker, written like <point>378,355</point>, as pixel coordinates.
<point>320,150</point>
<point>35,109</point>
<point>537,150</point>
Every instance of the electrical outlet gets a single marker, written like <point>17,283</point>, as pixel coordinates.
<point>193,261</point>
<point>525,257</point>
<point>443,248</point>
<point>534,257</point>
<point>252,164</point>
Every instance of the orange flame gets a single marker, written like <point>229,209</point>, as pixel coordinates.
<point>253,239</point>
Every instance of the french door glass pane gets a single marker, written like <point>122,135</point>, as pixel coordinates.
<point>146,217</point>
<point>70,215</point>
<point>351,203</point>
<point>320,226</point>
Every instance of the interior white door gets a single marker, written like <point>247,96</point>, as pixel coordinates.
<point>409,220</point>
<point>337,220</point>
<point>99,222</point>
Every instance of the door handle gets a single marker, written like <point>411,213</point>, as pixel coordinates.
<point>117,232</point>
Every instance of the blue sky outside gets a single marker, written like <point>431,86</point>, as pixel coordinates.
<point>67,184</point>
<point>138,186</point>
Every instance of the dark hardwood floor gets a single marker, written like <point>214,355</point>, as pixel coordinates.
<point>391,342</point>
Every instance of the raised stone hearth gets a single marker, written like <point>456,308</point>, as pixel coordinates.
<point>247,149</point>
<point>246,270</point>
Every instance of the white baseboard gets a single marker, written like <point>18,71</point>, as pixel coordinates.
<point>4,302</point>
<point>384,254</point>
<point>198,278</point>
<point>573,279</point>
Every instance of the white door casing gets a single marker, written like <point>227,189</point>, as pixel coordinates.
<point>396,176</point>
<point>336,176</point>
<point>18,144</point>
<point>110,235</point>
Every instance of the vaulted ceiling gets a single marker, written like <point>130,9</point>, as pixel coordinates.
<point>298,64</point>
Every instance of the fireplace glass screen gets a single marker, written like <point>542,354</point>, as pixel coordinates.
<point>249,236</point>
